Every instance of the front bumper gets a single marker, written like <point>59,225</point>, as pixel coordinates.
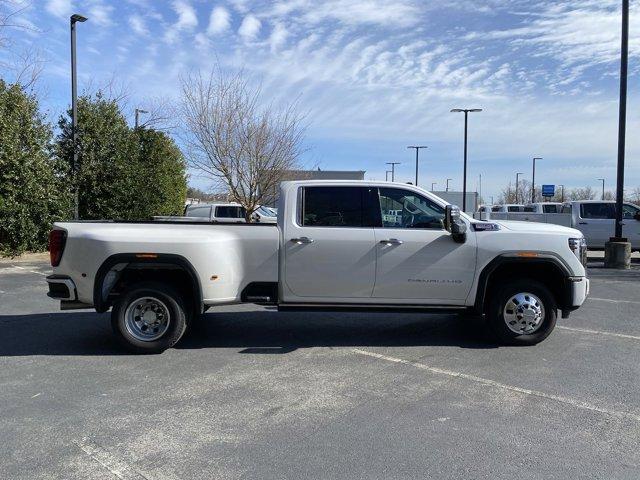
<point>62,287</point>
<point>578,291</point>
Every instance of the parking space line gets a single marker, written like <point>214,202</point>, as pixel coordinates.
<point>613,301</point>
<point>117,467</point>
<point>599,332</point>
<point>503,386</point>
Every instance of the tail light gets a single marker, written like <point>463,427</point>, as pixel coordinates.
<point>57,240</point>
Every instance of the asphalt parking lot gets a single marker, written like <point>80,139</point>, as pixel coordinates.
<point>259,394</point>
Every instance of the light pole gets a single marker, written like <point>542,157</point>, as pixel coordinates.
<point>602,180</point>
<point>562,194</point>
<point>74,110</point>
<point>533,180</point>
<point>448,180</point>
<point>433,184</point>
<point>518,183</point>
<point>393,169</point>
<point>386,175</point>
<point>138,112</point>
<point>622,116</point>
<point>464,175</point>
<point>417,149</point>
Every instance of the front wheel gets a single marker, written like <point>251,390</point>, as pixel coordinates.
<point>150,318</point>
<point>522,313</point>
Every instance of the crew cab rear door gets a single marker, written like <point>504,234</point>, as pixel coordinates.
<point>417,260</point>
<point>329,247</point>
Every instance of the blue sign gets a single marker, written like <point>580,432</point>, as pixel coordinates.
<point>548,190</point>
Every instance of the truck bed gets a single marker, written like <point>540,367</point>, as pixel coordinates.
<point>228,256</point>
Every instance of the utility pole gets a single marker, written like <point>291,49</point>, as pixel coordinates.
<point>480,185</point>
<point>386,175</point>
<point>602,180</point>
<point>517,183</point>
<point>74,112</point>
<point>464,174</point>
<point>533,180</point>
<point>622,115</point>
<point>393,169</point>
<point>417,149</point>
<point>139,111</point>
<point>562,194</point>
<point>447,189</point>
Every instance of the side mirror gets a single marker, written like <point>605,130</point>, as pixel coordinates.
<point>454,224</point>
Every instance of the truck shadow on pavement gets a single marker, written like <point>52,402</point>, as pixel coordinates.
<point>251,332</point>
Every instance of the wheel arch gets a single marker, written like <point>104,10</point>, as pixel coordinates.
<point>120,266</point>
<point>546,268</point>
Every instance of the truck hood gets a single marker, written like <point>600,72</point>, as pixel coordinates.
<point>536,227</point>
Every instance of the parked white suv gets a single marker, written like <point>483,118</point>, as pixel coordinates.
<point>338,245</point>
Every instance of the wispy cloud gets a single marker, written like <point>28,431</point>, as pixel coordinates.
<point>219,20</point>
<point>59,8</point>
<point>249,28</point>
<point>100,13</point>
<point>187,20</point>
<point>138,25</point>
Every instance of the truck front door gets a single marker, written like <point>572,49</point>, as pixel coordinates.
<point>417,260</point>
<point>330,247</point>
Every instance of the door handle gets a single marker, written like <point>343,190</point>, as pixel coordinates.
<point>302,240</point>
<point>391,241</point>
<point>583,223</point>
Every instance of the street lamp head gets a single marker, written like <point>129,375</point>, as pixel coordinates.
<point>76,17</point>
<point>141,111</point>
<point>417,146</point>
<point>475,110</point>
<point>456,110</point>
<point>537,158</point>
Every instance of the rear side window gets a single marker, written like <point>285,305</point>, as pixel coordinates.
<point>200,212</point>
<point>566,208</point>
<point>550,208</point>
<point>230,212</point>
<point>598,210</point>
<point>514,209</point>
<point>496,209</point>
<point>334,207</point>
<point>529,208</point>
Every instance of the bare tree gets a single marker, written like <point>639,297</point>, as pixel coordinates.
<point>161,114</point>
<point>634,196</point>
<point>235,141</point>
<point>586,193</point>
<point>25,65</point>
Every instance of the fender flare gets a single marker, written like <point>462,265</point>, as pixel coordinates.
<point>511,258</point>
<point>128,258</point>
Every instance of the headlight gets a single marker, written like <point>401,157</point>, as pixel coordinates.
<point>579,248</point>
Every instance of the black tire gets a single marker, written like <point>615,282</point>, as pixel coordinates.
<point>498,323</point>
<point>175,308</point>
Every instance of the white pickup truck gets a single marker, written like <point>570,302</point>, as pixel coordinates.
<point>338,245</point>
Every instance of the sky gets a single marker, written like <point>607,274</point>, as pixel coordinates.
<point>373,76</point>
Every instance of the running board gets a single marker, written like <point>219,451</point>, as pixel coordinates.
<point>364,307</point>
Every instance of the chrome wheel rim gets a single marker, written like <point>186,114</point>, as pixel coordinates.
<point>523,313</point>
<point>147,319</point>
